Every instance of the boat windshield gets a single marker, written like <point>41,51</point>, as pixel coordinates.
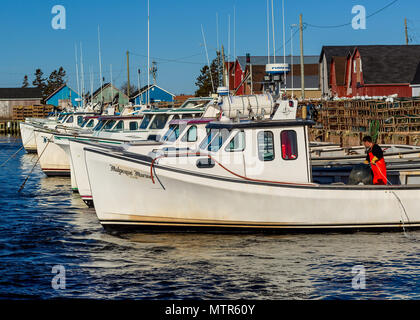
<point>109,125</point>
<point>119,126</point>
<point>61,117</point>
<point>99,125</point>
<point>145,123</point>
<point>173,133</point>
<point>84,123</point>
<point>90,123</point>
<point>159,121</point>
<point>214,140</point>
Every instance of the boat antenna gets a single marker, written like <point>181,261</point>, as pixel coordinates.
<point>284,49</point>
<point>77,72</point>
<point>207,56</point>
<point>112,87</point>
<point>83,75</point>
<point>228,69</point>
<point>100,65</point>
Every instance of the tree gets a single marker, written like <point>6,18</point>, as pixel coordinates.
<point>124,88</point>
<point>39,81</point>
<point>204,80</point>
<point>25,82</point>
<point>55,81</point>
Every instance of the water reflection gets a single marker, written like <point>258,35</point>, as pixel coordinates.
<point>47,224</point>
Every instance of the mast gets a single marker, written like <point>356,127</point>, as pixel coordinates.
<point>100,65</point>
<point>128,75</point>
<point>274,38</point>
<point>148,51</point>
<point>268,31</point>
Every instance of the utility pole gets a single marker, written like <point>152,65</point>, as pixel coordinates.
<point>128,75</point>
<point>406,31</point>
<point>302,64</point>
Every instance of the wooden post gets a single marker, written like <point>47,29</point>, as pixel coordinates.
<point>406,31</point>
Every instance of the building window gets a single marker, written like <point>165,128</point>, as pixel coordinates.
<point>360,62</point>
<point>289,149</point>
<point>265,141</point>
<point>354,66</point>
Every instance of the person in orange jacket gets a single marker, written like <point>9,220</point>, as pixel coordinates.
<point>375,157</point>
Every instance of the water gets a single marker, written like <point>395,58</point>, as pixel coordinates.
<point>47,225</point>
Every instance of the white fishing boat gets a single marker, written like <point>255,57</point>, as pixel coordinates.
<point>246,175</point>
<point>52,159</point>
<point>149,137</point>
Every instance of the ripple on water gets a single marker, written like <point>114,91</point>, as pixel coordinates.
<point>47,225</point>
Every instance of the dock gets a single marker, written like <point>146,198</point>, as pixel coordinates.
<point>9,127</point>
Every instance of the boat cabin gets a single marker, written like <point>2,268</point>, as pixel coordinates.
<point>268,150</point>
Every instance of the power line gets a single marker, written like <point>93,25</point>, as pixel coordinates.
<point>349,23</point>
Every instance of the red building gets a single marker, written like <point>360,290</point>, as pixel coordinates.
<point>381,70</point>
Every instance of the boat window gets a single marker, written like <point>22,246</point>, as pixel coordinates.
<point>289,150</point>
<point>79,120</point>
<point>99,125</point>
<point>237,143</point>
<point>176,117</point>
<point>214,140</point>
<point>145,123</point>
<point>119,126</point>
<point>61,117</point>
<point>191,135</point>
<point>172,134</point>
<point>159,121</point>
<point>133,125</point>
<point>84,123</point>
<point>265,145</point>
<point>90,123</point>
<point>109,124</point>
<point>209,137</point>
<point>69,119</point>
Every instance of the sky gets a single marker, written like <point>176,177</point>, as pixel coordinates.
<point>28,40</point>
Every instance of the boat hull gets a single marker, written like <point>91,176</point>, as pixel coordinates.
<point>28,137</point>
<point>52,158</point>
<point>125,196</point>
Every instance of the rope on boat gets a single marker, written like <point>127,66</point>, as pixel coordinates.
<point>33,167</point>
<point>228,170</point>
<point>13,155</point>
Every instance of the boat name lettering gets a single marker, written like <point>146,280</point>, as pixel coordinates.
<point>129,172</point>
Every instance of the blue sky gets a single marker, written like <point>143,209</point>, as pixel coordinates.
<point>28,41</point>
